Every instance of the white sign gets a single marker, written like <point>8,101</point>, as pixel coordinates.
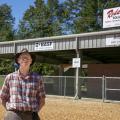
<point>113,40</point>
<point>111,17</point>
<point>76,62</point>
<point>44,45</point>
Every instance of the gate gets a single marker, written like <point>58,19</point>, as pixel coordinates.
<point>112,88</point>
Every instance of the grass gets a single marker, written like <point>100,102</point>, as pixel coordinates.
<point>1,80</point>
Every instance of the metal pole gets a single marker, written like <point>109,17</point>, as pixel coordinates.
<point>65,86</point>
<point>103,88</point>
<point>77,74</point>
<point>15,64</point>
<point>60,86</point>
<point>77,84</point>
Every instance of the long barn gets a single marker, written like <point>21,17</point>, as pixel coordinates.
<point>95,48</point>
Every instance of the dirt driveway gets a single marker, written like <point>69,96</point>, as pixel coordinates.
<point>67,109</point>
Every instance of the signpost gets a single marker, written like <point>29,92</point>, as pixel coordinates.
<point>76,62</point>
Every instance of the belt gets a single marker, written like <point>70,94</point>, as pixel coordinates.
<point>18,111</point>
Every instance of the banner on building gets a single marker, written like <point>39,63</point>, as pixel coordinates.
<point>113,40</point>
<point>44,45</point>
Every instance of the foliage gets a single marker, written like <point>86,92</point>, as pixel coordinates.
<point>41,20</point>
<point>6,66</point>
<point>72,10</point>
<point>54,16</point>
<point>87,17</point>
<point>6,23</point>
<point>90,16</point>
<point>50,19</point>
<point>34,21</point>
<point>44,69</point>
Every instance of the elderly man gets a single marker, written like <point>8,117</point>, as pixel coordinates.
<point>23,93</point>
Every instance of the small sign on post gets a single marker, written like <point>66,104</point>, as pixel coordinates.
<point>76,62</point>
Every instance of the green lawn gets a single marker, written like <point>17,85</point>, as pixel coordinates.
<point>1,80</point>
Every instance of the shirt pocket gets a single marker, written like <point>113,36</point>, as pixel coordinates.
<point>31,90</point>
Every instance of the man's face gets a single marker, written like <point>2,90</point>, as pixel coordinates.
<point>25,59</point>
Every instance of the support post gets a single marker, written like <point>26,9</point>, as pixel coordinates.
<point>103,88</point>
<point>61,69</point>
<point>16,66</point>
<point>77,81</point>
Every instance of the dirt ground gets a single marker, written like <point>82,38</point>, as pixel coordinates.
<point>68,109</point>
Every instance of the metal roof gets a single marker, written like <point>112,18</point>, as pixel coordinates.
<point>93,47</point>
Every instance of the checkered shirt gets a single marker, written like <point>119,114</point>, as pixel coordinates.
<point>22,93</point>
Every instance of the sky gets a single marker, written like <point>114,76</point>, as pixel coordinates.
<point>19,7</point>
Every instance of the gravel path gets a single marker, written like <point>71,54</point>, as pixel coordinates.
<point>68,109</point>
<point>62,109</point>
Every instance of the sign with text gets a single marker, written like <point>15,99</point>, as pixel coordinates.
<point>113,40</point>
<point>44,45</point>
<point>76,62</point>
<point>111,17</point>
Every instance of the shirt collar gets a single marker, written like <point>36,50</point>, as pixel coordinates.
<point>22,76</point>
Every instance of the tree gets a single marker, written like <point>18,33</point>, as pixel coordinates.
<point>44,69</point>
<point>6,66</point>
<point>54,18</point>
<point>85,15</point>
<point>6,23</point>
<point>41,20</point>
<point>72,10</point>
<point>90,17</point>
<point>34,23</point>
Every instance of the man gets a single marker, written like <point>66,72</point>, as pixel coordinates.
<point>23,93</point>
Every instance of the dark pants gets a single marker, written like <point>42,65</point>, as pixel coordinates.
<point>15,115</point>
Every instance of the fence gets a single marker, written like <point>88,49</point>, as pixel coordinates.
<point>112,88</point>
<point>60,85</point>
<point>105,88</point>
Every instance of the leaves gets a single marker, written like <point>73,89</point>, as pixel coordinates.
<point>44,69</point>
<point>51,18</point>
<point>6,23</point>
<point>40,20</point>
<point>5,66</point>
<point>86,15</point>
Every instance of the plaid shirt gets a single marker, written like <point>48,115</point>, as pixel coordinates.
<point>22,93</point>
